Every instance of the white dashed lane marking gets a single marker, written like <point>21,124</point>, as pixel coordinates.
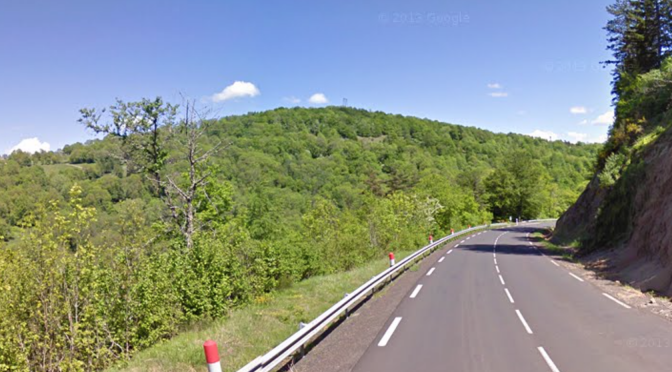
<point>416,291</point>
<point>522,320</point>
<point>576,277</point>
<point>616,301</point>
<point>548,359</point>
<point>508,294</point>
<point>390,331</point>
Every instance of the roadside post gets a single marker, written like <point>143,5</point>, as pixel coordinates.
<point>391,259</point>
<point>212,356</point>
<point>431,239</point>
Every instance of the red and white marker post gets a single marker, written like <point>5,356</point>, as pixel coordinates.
<point>212,356</point>
<point>391,259</point>
<point>452,231</point>
<point>431,239</point>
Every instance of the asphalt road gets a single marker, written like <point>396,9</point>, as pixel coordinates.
<point>495,303</point>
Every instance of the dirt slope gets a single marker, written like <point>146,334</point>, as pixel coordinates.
<point>643,258</point>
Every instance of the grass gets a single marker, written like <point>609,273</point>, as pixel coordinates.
<point>647,139</point>
<point>564,251</point>
<point>254,329</point>
<point>54,169</point>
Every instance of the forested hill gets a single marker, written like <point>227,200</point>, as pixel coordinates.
<point>294,156</point>
<point>105,229</point>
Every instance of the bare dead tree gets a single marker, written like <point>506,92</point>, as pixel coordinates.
<point>181,196</point>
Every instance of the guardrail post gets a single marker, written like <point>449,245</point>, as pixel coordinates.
<point>212,356</point>
<point>391,259</point>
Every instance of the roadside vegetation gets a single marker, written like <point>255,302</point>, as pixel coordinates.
<point>566,251</point>
<point>252,330</point>
<point>171,220</point>
<point>640,38</point>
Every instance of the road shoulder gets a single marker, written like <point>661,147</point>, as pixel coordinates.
<point>344,346</point>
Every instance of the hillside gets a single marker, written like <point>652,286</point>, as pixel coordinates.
<point>285,195</point>
<point>622,219</point>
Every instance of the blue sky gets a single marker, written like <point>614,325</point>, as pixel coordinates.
<point>506,66</point>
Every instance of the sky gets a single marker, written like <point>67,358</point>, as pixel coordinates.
<point>530,67</point>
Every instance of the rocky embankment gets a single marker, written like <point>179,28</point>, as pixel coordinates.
<point>625,230</point>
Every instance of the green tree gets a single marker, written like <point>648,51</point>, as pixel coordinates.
<point>139,126</point>
<point>639,36</point>
<point>515,189</point>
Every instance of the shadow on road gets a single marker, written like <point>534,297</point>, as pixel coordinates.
<point>520,247</point>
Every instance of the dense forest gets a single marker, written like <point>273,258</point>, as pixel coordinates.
<point>169,216</point>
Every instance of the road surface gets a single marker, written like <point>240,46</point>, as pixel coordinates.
<point>496,303</point>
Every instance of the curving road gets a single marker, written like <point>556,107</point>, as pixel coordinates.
<point>493,302</point>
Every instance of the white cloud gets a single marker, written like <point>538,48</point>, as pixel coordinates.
<point>583,122</point>
<point>605,119</point>
<point>578,110</point>
<point>30,145</point>
<point>545,134</point>
<point>318,99</point>
<point>577,137</point>
<point>494,86</point>
<point>292,99</point>
<point>602,138</point>
<point>236,90</point>
<point>498,94</point>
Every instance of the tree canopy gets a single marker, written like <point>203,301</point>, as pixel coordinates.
<point>98,262</point>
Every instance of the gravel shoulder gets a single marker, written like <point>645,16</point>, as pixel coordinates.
<point>597,270</point>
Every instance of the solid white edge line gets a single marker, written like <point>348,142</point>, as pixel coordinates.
<point>501,280</point>
<point>522,320</point>
<point>576,277</point>
<point>508,294</point>
<point>441,259</point>
<point>389,332</point>
<point>430,271</point>
<point>616,301</point>
<point>548,360</point>
<point>416,291</point>
<point>497,267</point>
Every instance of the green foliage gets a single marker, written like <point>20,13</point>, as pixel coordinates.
<point>517,189</point>
<point>640,38</point>
<point>612,170</point>
<point>297,193</point>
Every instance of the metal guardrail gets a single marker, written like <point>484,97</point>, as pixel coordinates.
<point>280,355</point>
<point>295,344</point>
